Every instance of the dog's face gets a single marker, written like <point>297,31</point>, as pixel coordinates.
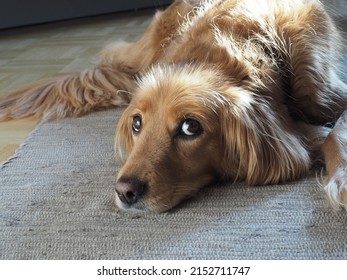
<point>186,127</point>
<point>167,137</point>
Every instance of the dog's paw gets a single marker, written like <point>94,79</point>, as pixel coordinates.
<point>336,189</point>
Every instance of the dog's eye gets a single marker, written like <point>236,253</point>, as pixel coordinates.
<point>190,127</point>
<point>137,124</point>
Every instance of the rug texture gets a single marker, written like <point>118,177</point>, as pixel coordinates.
<point>57,203</point>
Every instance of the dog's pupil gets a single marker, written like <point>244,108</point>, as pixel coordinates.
<point>137,123</point>
<point>191,127</point>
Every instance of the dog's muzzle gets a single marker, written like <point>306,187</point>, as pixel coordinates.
<point>130,190</point>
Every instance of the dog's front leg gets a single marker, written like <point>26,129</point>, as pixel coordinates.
<point>335,153</point>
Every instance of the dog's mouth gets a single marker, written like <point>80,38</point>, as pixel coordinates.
<point>139,199</point>
<point>142,205</point>
<point>138,206</point>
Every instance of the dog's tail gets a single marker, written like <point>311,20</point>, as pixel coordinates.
<point>74,95</point>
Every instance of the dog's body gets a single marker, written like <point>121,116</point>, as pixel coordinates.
<point>231,89</point>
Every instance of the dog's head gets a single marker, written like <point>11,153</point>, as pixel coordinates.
<point>184,128</point>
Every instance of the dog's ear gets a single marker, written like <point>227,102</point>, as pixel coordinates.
<point>260,146</point>
<point>124,139</point>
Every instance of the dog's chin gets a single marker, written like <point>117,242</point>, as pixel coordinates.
<point>139,206</point>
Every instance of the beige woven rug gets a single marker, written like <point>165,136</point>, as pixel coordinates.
<point>56,203</point>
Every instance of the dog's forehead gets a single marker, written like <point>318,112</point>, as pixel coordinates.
<point>172,87</point>
<point>169,81</point>
<point>171,99</point>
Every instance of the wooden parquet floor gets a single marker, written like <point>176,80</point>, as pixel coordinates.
<point>31,53</point>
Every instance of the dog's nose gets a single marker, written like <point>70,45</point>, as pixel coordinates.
<point>130,190</point>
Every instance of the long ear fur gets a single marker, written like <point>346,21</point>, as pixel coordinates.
<point>260,147</point>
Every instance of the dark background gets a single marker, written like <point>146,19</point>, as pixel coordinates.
<point>15,13</point>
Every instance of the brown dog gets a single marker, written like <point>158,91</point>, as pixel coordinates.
<point>231,89</point>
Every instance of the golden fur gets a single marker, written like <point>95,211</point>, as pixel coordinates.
<point>218,89</point>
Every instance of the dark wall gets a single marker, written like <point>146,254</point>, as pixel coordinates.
<point>23,12</point>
